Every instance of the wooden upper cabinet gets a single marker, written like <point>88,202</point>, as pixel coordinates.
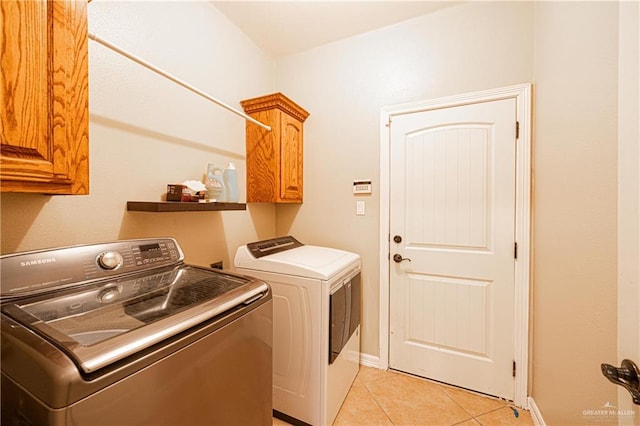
<point>274,158</point>
<point>44,124</point>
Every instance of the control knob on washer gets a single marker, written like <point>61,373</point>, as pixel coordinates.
<point>110,260</point>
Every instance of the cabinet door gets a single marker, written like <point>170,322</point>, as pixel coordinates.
<point>291,155</point>
<point>44,92</point>
<point>262,159</point>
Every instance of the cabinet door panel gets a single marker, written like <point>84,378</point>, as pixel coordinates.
<point>24,80</point>
<point>262,160</point>
<point>44,92</point>
<point>291,159</point>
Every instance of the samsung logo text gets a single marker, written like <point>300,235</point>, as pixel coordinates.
<point>38,261</point>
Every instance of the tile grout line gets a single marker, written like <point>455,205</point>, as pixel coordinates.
<point>443,386</point>
<point>496,409</point>
<point>474,417</point>
<point>377,403</point>
<point>440,389</point>
<point>471,416</point>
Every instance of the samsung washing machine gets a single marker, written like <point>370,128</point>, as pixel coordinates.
<point>126,333</point>
<point>316,324</point>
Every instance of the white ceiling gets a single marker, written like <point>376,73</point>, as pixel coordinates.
<point>285,27</point>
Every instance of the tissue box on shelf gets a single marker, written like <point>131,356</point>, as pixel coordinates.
<point>174,192</point>
<point>189,191</point>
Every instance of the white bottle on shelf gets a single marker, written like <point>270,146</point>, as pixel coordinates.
<point>214,184</point>
<point>231,183</point>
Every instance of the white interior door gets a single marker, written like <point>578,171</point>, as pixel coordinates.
<point>452,198</point>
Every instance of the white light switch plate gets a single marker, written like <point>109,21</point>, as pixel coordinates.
<point>360,208</point>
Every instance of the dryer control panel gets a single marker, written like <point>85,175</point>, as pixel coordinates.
<point>272,246</point>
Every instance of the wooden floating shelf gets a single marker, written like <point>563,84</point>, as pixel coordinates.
<point>177,206</point>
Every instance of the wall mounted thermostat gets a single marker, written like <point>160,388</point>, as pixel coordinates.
<point>362,186</point>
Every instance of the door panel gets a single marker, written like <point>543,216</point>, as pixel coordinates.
<point>453,203</point>
<point>448,312</point>
<point>448,185</point>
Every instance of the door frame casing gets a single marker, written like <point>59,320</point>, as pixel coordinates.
<point>523,96</point>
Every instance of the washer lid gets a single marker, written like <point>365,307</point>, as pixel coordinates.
<point>304,261</point>
<point>100,323</point>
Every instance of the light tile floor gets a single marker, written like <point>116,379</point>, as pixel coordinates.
<point>380,397</point>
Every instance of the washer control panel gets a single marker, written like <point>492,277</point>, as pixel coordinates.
<point>110,260</point>
<point>35,272</point>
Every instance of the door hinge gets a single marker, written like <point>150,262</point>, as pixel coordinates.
<point>517,130</point>
<point>513,372</point>
<point>515,251</point>
<point>388,122</point>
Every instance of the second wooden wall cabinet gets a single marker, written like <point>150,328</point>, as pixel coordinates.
<point>274,158</point>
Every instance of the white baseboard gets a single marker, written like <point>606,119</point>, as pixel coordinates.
<point>536,415</point>
<point>371,361</point>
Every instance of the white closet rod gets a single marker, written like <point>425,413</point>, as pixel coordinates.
<point>176,80</point>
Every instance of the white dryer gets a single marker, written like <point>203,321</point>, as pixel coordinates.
<point>316,324</point>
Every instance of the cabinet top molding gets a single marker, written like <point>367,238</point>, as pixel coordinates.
<point>274,100</point>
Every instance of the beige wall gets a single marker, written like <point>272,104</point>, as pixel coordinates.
<point>344,84</point>
<point>575,207</point>
<point>146,132</point>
